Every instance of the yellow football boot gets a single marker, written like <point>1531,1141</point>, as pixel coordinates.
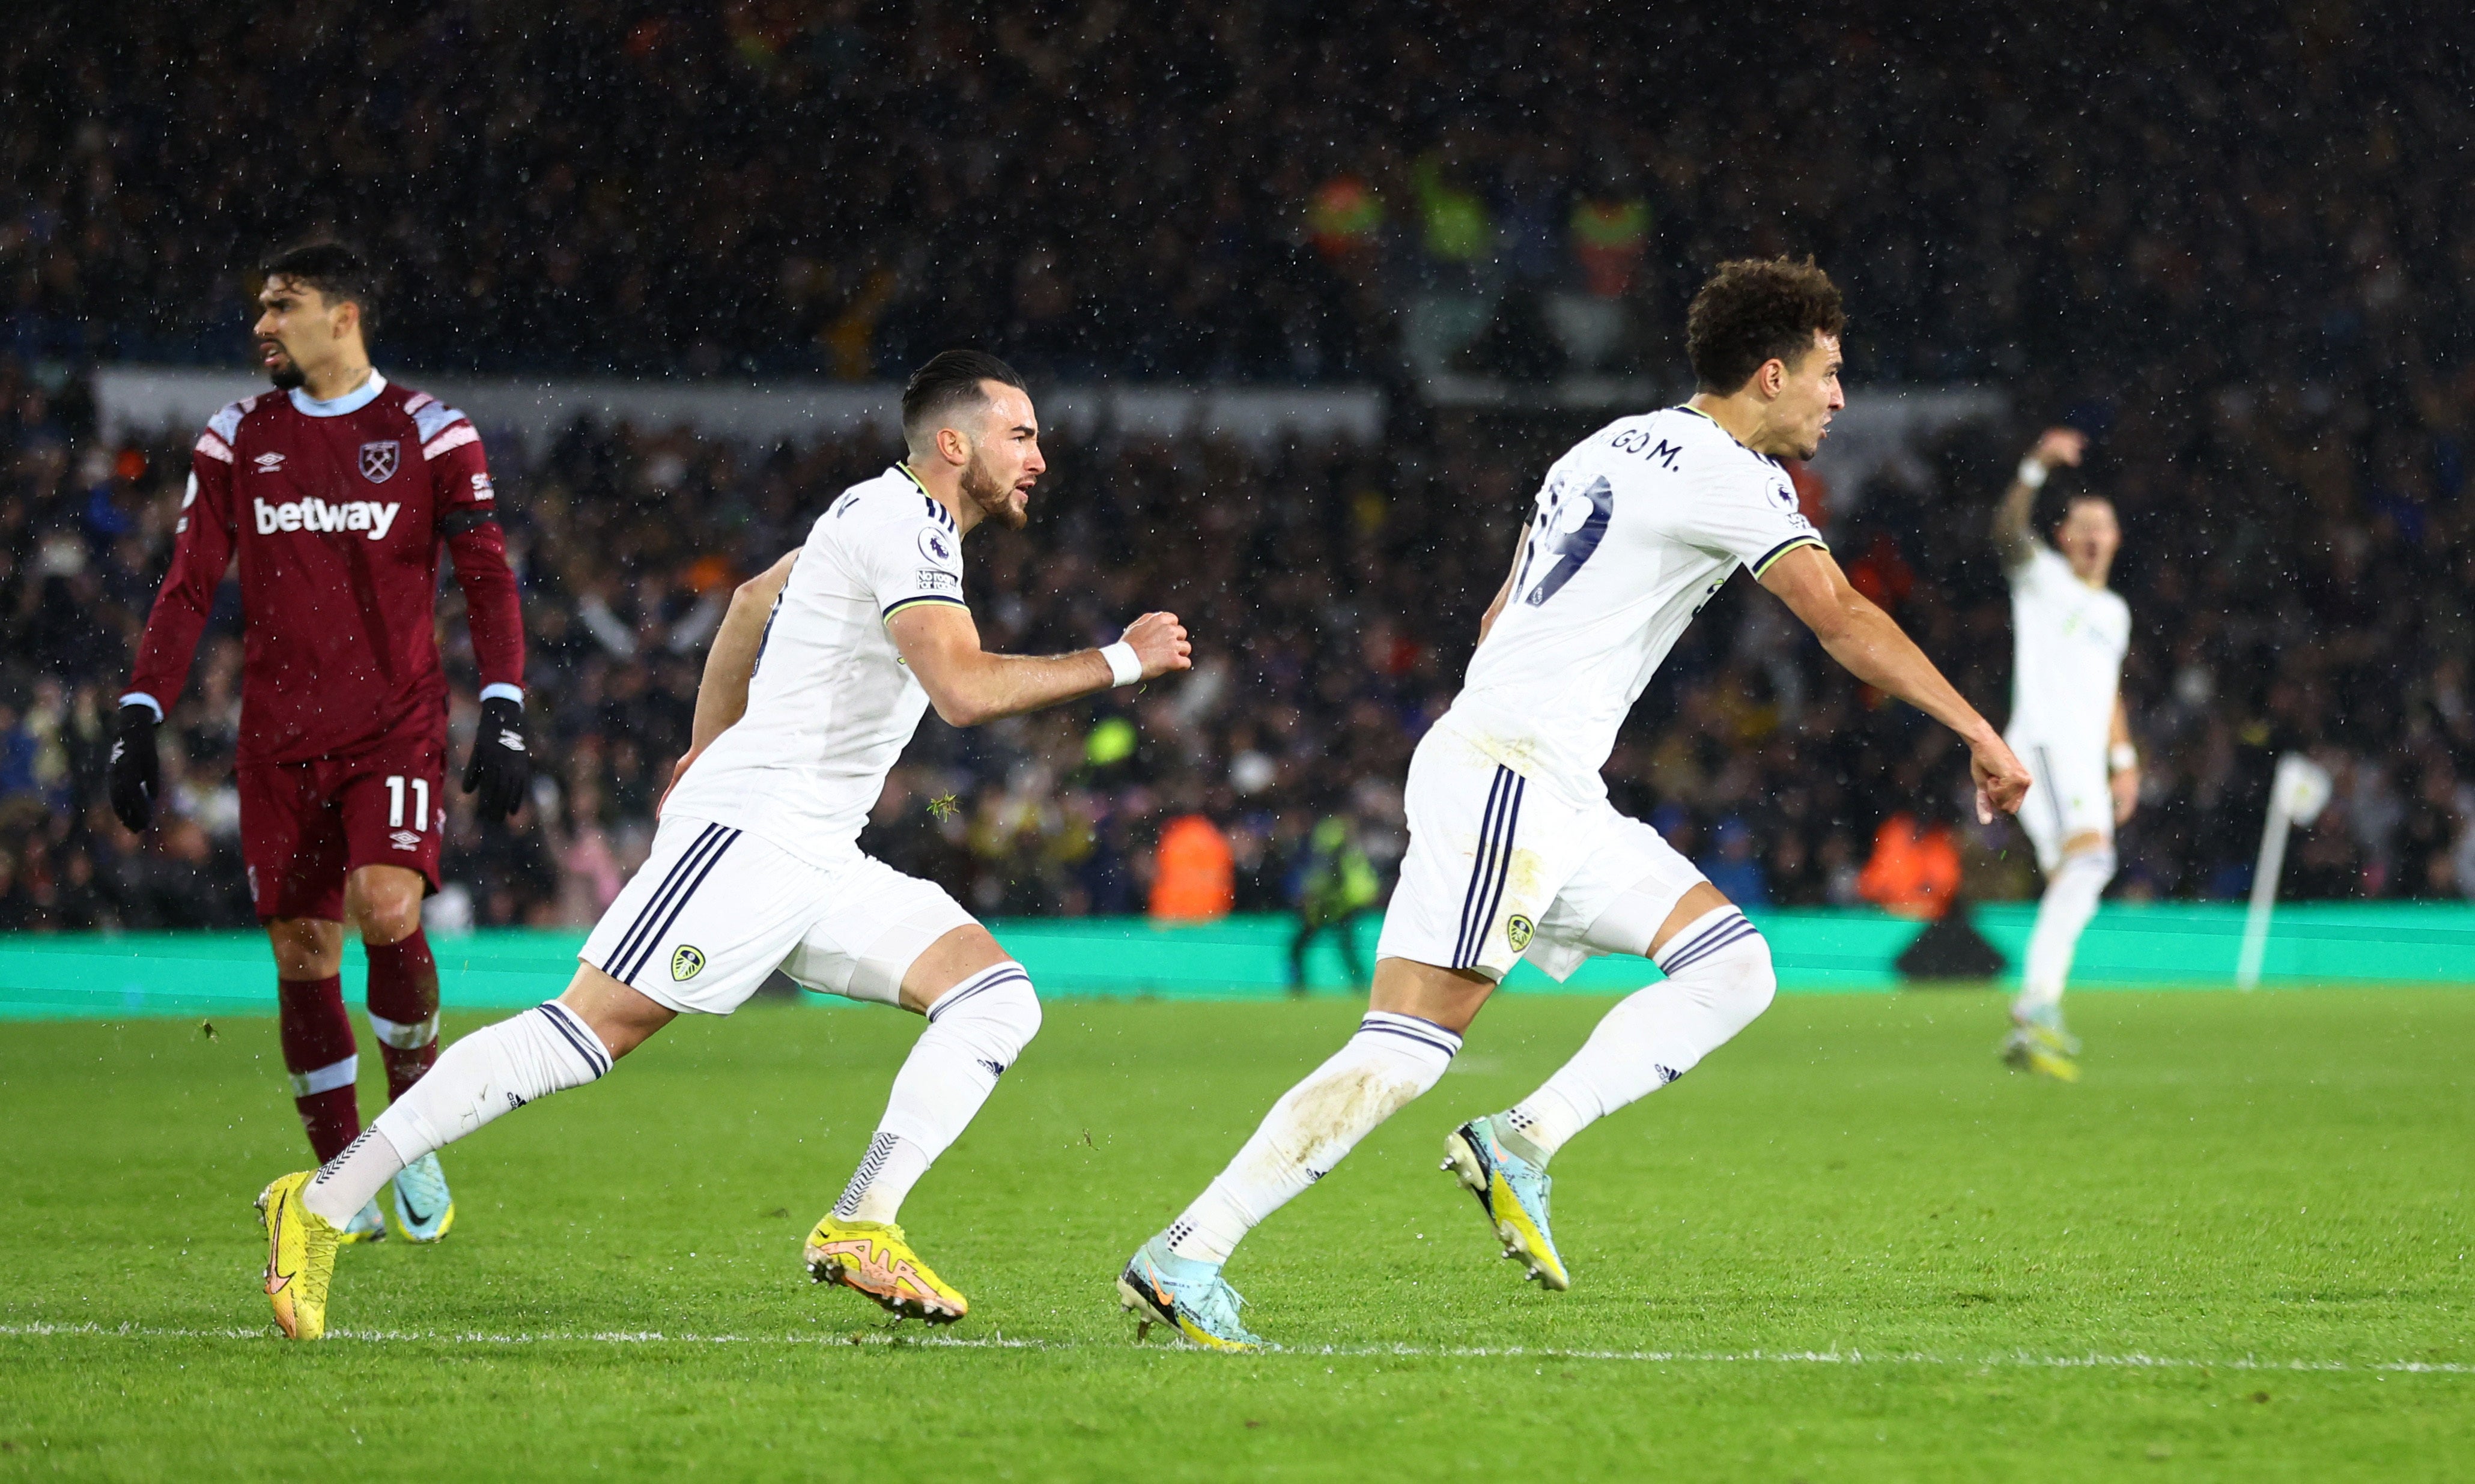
<point>299,1257</point>
<point>875,1259</point>
<point>1512,1192</point>
<point>2036,1048</point>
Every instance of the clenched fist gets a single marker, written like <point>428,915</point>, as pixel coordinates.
<point>1159,641</point>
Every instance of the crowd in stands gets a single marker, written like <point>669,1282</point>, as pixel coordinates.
<point>1263,189</point>
<point>2246,269</point>
<point>2301,569</point>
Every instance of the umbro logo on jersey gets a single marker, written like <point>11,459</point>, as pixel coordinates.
<point>316,514</point>
<point>405,839</point>
<point>379,460</point>
<point>268,463</point>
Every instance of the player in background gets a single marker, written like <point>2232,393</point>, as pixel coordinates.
<point>337,491</point>
<point>2069,636</point>
<point>756,865</point>
<point>1515,850</point>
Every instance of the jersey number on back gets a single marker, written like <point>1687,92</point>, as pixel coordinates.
<point>1569,543</point>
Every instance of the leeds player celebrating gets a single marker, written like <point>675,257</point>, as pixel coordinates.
<point>2068,634</point>
<point>1515,850</point>
<point>755,866</point>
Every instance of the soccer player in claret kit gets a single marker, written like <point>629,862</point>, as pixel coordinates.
<point>2069,632</point>
<point>818,676</point>
<point>337,490</point>
<point>1515,850</point>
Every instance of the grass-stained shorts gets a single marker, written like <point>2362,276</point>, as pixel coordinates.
<point>1500,867</point>
<point>714,910</point>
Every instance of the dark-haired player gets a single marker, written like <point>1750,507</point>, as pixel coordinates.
<point>2069,634</point>
<point>337,490</point>
<point>757,865</point>
<point>1515,850</point>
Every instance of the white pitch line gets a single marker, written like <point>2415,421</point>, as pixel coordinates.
<point>2017,1360</point>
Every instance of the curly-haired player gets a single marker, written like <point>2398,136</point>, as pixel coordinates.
<point>337,491</point>
<point>1515,850</point>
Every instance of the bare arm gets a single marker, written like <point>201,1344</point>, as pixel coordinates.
<point>2013,538</point>
<point>1862,638</point>
<point>730,664</point>
<point>2122,780</point>
<point>1504,593</point>
<point>722,695</point>
<point>968,685</point>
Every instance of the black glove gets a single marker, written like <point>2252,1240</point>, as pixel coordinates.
<point>135,773</point>
<point>501,771</point>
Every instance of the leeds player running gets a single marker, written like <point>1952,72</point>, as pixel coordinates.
<point>1515,850</point>
<point>755,865</point>
<point>2068,637</point>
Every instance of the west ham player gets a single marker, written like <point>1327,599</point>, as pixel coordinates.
<point>337,490</point>
<point>757,867</point>
<point>2069,636</point>
<point>1515,850</point>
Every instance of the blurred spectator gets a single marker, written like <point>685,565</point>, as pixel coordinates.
<point>1337,885</point>
<point>1914,869</point>
<point>1193,879</point>
<point>1610,241</point>
<point>1734,867</point>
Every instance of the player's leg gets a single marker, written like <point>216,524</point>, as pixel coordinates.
<point>1352,956</point>
<point>895,939</point>
<point>1299,942</point>
<point>384,903</point>
<point>392,808</point>
<point>1411,1034</point>
<point>551,1048</point>
<point>1458,919</point>
<point>1718,979</point>
<point>643,966</point>
<point>2072,830</point>
<point>293,846</point>
<point>565,1043</point>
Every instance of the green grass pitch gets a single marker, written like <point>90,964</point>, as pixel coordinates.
<point>1849,1246</point>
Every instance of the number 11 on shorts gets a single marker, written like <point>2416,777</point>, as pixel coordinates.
<point>420,802</point>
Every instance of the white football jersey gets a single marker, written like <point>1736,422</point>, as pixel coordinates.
<point>1634,531</point>
<point>832,703</point>
<point>2068,643</point>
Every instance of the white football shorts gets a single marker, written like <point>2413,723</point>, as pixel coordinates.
<point>1501,869</point>
<point>2068,797</point>
<point>714,910</point>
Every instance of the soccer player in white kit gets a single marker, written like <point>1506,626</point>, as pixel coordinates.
<point>2068,724</point>
<point>1515,850</point>
<point>756,865</point>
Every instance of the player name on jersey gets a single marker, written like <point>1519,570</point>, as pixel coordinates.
<point>1631,532</point>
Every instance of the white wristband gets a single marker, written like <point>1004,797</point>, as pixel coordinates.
<point>2033,472</point>
<point>2121,758</point>
<point>1123,667</point>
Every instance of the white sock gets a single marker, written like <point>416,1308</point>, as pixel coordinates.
<point>1391,1061</point>
<point>496,1069</point>
<point>1719,979</point>
<point>2071,899</point>
<point>975,1032</point>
